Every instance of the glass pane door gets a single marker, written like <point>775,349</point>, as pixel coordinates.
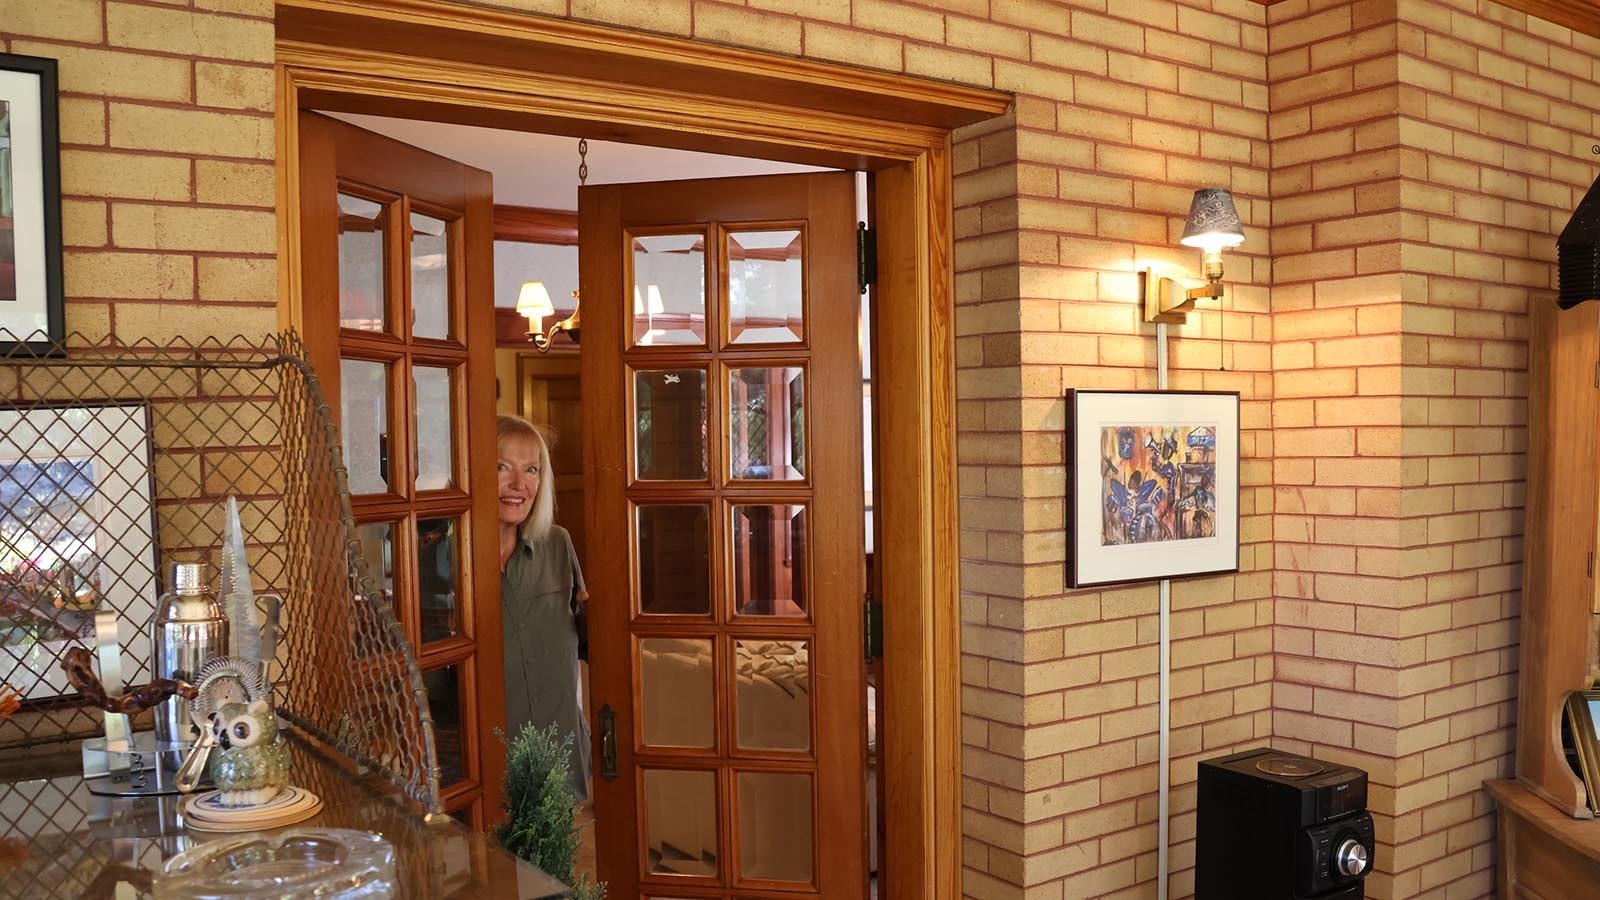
<point>389,235</point>
<point>742,682</point>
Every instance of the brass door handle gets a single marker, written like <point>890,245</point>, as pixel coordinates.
<point>608,743</point>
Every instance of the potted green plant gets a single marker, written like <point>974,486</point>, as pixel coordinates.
<point>539,823</point>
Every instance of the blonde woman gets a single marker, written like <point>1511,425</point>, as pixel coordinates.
<point>539,579</point>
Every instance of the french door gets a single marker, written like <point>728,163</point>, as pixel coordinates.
<point>397,262</point>
<point>725,566</point>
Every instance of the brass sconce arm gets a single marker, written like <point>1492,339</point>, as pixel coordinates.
<point>542,342</point>
<point>1165,300</point>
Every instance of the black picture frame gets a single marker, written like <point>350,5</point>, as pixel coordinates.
<point>30,208</point>
<point>1132,543</point>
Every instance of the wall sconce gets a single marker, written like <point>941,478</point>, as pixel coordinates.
<point>1213,224</point>
<point>533,302</point>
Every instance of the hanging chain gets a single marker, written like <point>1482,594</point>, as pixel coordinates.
<point>583,161</point>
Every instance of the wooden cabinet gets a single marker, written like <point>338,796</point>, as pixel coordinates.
<point>1549,844</point>
<point>1563,502</point>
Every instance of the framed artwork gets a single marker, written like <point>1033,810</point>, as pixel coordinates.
<point>1152,485</point>
<point>30,206</point>
<point>77,534</point>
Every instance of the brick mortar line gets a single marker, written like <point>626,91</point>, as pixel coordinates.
<point>172,105</point>
<point>170,204</point>
<point>1311,14</point>
<point>105,45</point>
<point>222,13</point>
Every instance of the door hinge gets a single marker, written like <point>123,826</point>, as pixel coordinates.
<point>1588,566</point>
<point>1597,374</point>
<point>866,256</point>
<point>872,627</point>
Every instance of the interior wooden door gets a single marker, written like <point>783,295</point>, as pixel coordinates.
<point>548,394</point>
<point>397,272</point>
<point>725,566</point>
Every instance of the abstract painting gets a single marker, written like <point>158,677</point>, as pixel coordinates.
<point>30,206</point>
<point>1152,485</point>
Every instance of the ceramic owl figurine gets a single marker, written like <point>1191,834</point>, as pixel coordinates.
<point>250,764</point>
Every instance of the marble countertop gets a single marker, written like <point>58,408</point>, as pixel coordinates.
<point>58,840</point>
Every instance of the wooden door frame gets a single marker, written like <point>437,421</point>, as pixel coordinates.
<point>495,68</point>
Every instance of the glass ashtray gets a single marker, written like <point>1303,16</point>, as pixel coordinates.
<point>298,862</point>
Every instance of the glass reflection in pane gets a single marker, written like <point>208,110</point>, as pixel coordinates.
<point>775,826</point>
<point>444,699</point>
<point>434,414</point>
<point>766,423</point>
<point>430,276</point>
<point>765,287</point>
<point>669,289</point>
<point>364,424</point>
<point>680,810</point>
<point>670,424</point>
<point>362,223</point>
<point>769,560</point>
<point>676,679</point>
<point>438,579</point>
<point>377,548</point>
<point>675,560</point>
<point>774,694</point>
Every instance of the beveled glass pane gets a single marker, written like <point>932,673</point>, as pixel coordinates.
<point>670,424</point>
<point>680,811</point>
<point>769,560</point>
<point>775,826</point>
<point>669,289</point>
<point>362,223</point>
<point>364,424</point>
<point>435,415</point>
<point>377,548</point>
<point>676,681</point>
<point>675,560</point>
<point>765,287</point>
<point>438,578</point>
<point>430,276</point>
<point>766,423</point>
<point>774,694</point>
<point>444,699</point>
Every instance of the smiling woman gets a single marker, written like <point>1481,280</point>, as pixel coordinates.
<point>540,587</point>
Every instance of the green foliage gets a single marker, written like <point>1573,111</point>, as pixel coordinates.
<point>539,799</point>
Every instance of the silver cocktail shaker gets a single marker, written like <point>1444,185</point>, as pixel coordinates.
<point>189,628</point>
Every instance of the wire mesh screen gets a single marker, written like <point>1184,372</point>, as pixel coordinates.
<point>116,461</point>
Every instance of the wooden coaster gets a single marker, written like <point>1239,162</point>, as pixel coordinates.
<point>205,811</point>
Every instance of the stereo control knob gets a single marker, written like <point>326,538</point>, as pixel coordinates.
<point>1351,858</point>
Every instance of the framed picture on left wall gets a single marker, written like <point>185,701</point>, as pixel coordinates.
<point>30,206</point>
<point>77,535</point>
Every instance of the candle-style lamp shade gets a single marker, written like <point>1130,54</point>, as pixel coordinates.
<point>533,301</point>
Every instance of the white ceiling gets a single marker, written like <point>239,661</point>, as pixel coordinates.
<point>542,169</point>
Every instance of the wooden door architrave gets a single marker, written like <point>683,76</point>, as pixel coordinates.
<point>444,62</point>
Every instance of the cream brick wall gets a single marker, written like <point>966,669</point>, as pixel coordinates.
<point>1400,166</point>
<point>167,153</point>
<point>1405,261</point>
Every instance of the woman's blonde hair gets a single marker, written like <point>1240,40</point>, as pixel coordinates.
<point>536,527</point>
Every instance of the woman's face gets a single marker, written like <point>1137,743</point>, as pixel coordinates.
<point>519,479</point>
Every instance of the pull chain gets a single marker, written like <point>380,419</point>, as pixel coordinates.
<point>583,161</point>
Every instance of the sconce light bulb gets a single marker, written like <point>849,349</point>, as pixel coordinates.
<point>1211,264</point>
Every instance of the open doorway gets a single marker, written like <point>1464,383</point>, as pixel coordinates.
<point>486,67</point>
<point>791,371</point>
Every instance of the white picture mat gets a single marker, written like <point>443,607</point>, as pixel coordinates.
<point>115,439</point>
<point>1098,564</point>
<point>29,312</point>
